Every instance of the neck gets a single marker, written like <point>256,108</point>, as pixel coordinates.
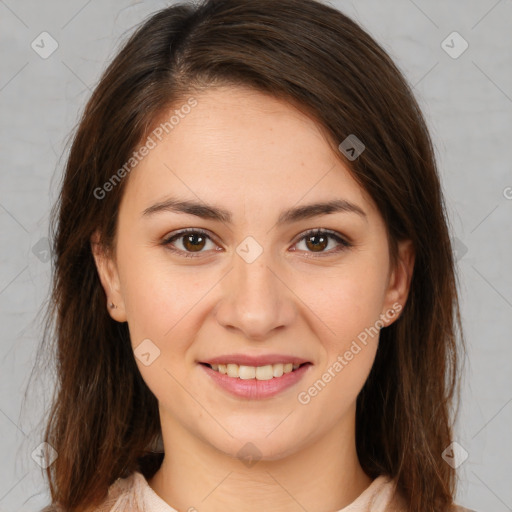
<point>323,476</point>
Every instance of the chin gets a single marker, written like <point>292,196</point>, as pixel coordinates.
<point>251,449</point>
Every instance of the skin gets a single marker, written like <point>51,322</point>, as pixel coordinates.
<point>255,156</point>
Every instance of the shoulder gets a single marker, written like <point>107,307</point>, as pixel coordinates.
<point>398,503</point>
<point>124,495</point>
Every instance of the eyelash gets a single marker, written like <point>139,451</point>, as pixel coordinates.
<point>344,244</point>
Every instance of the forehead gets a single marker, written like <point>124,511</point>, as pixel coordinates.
<point>240,142</point>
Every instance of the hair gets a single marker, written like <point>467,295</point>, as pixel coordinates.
<point>312,56</point>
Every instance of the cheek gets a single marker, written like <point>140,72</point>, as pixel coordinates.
<point>346,308</point>
<point>163,299</point>
<point>158,294</point>
<point>347,300</point>
<point>163,305</point>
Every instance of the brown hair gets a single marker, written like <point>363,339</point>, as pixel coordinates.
<point>322,62</point>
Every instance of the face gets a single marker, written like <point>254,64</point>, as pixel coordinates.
<point>261,283</point>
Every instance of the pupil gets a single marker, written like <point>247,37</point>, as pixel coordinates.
<point>317,246</point>
<point>190,239</point>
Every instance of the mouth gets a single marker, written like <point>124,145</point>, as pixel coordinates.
<point>255,378</point>
<point>264,372</point>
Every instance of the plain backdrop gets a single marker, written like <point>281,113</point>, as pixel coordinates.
<point>466,95</point>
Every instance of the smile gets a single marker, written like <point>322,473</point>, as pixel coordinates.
<point>255,382</point>
<point>266,372</point>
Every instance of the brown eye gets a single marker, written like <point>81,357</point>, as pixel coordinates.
<point>192,242</point>
<point>316,243</point>
<point>317,240</point>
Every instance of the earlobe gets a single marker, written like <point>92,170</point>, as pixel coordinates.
<point>109,278</point>
<point>399,281</point>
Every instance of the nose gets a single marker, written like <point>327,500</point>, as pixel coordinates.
<point>255,299</point>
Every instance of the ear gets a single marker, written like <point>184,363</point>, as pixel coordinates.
<point>399,283</point>
<point>109,277</point>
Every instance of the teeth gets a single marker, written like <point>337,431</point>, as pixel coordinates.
<point>247,372</point>
<point>277,370</point>
<point>232,370</point>
<point>266,372</point>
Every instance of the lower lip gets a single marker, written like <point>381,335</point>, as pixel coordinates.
<point>256,389</point>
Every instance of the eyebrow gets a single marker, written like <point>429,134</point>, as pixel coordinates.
<point>288,216</point>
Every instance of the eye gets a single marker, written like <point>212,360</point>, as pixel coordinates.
<point>317,240</point>
<point>191,240</point>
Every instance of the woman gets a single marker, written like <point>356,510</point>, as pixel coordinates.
<point>255,301</point>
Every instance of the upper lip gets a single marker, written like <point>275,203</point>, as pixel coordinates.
<point>261,360</point>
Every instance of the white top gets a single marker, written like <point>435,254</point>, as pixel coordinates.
<point>133,494</point>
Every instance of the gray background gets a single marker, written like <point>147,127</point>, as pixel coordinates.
<point>467,102</point>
